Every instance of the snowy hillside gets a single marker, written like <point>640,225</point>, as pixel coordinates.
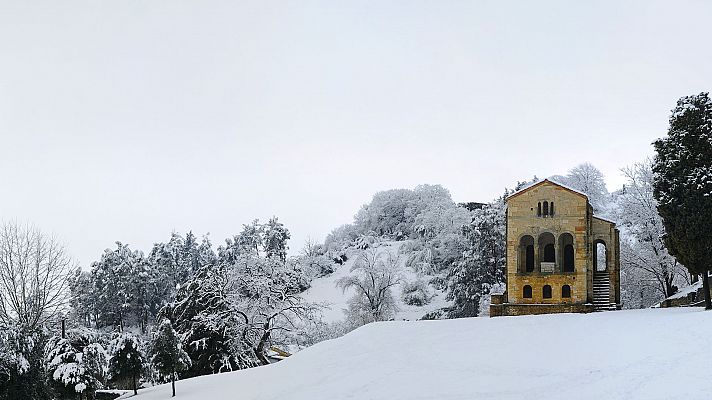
<point>642,354</point>
<point>325,290</point>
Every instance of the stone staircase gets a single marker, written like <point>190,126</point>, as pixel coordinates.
<point>602,292</point>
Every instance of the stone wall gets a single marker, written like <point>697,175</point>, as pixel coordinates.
<point>508,309</point>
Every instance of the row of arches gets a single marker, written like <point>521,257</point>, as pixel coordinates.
<point>546,292</point>
<point>547,252</point>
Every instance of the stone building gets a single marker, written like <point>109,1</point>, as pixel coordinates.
<point>560,257</point>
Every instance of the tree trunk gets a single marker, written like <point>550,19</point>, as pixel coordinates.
<point>134,383</point>
<point>173,383</point>
<point>706,289</point>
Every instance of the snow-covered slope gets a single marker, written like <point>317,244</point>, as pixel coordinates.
<point>641,354</point>
<point>324,290</point>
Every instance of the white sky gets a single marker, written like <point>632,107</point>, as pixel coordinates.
<point>126,120</point>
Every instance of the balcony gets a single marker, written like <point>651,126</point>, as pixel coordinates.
<point>548,267</point>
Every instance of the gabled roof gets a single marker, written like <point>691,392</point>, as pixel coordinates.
<point>535,184</point>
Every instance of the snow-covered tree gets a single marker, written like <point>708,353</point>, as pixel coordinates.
<point>683,185</point>
<point>340,238</point>
<point>127,362</point>
<point>211,330</point>
<point>111,277</point>
<point>275,239</point>
<point>587,179</point>
<point>392,213</point>
<point>642,245</point>
<point>72,372</point>
<point>313,260</point>
<point>373,276</point>
<point>439,240</point>
<point>82,297</point>
<point>482,266</point>
<point>267,292</point>
<point>22,372</point>
<point>177,260</point>
<point>167,354</point>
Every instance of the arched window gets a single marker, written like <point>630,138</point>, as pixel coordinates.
<point>551,208</point>
<point>546,292</point>
<point>538,209</point>
<point>527,292</point>
<point>566,292</point>
<point>546,208</point>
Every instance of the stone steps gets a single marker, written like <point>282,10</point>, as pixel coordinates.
<point>602,292</point>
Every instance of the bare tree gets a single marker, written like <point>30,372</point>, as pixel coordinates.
<point>34,271</point>
<point>374,274</point>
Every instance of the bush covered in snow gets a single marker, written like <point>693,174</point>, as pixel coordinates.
<point>416,293</point>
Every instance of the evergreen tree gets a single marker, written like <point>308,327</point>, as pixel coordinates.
<point>72,372</point>
<point>112,288</point>
<point>683,185</point>
<point>275,239</point>
<point>126,361</point>
<point>482,266</point>
<point>167,354</point>
<point>22,372</point>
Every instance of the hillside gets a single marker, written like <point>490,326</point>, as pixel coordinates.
<point>641,354</point>
<point>324,289</point>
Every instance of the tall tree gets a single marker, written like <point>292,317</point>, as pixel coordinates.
<point>483,262</point>
<point>34,276</point>
<point>126,361</point>
<point>115,282</point>
<point>683,185</point>
<point>167,354</point>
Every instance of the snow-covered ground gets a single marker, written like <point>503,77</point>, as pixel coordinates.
<point>640,354</point>
<point>324,289</point>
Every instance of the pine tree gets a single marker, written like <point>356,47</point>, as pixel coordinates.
<point>126,360</point>
<point>683,185</point>
<point>73,372</point>
<point>482,266</point>
<point>167,354</point>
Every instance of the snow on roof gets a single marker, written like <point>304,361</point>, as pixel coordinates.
<point>531,185</point>
<point>604,219</point>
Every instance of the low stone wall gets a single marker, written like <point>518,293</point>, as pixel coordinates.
<point>507,309</point>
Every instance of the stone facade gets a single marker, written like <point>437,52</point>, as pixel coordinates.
<point>552,258</point>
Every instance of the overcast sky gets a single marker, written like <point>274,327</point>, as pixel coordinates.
<point>127,120</point>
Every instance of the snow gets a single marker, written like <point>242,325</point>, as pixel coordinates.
<point>687,290</point>
<point>324,290</point>
<point>638,354</point>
